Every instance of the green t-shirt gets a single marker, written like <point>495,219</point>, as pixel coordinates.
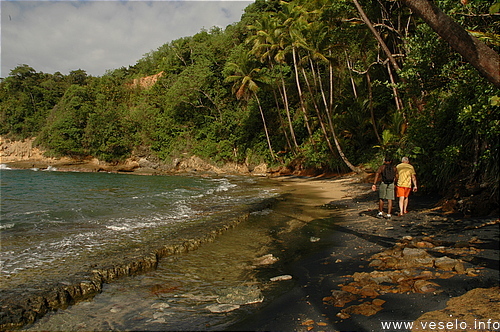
<point>405,172</point>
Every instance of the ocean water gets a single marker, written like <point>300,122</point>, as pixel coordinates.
<point>50,217</point>
<point>58,223</point>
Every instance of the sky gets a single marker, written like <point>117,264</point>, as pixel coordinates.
<point>96,36</point>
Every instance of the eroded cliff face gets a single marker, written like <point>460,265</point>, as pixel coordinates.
<point>146,82</point>
<point>23,154</point>
<point>14,151</point>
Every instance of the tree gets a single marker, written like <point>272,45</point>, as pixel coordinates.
<point>245,78</point>
<point>266,46</point>
<point>483,58</point>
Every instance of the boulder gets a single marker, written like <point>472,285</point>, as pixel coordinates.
<point>425,286</point>
<point>445,263</point>
<point>414,253</point>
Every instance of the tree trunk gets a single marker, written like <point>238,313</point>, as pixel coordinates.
<point>397,99</point>
<point>332,128</point>
<point>354,90</point>
<point>370,106</point>
<point>287,108</point>
<point>301,97</point>
<point>282,124</point>
<point>480,56</point>
<point>265,127</point>
<point>316,107</point>
<point>377,36</point>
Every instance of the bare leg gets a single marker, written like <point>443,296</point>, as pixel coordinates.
<point>405,205</point>
<point>381,205</point>
<point>389,206</point>
<point>401,205</point>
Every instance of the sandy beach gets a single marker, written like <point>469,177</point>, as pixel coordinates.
<point>426,271</point>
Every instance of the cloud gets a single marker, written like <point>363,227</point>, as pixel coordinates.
<point>97,36</point>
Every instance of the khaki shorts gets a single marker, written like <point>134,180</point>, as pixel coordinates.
<point>386,191</point>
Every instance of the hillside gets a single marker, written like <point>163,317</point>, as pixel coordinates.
<point>314,87</point>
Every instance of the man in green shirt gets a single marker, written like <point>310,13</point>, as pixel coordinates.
<point>405,177</point>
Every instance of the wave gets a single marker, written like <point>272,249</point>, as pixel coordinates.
<point>140,210</point>
<point>4,166</point>
<point>50,169</point>
<point>7,226</point>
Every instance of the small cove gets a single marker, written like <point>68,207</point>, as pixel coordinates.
<point>177,294</point>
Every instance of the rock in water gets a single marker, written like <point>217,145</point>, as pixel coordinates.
<point>281,278</point>
<point>217,308</point>
<point>266,260</point>
<point>240,295</point>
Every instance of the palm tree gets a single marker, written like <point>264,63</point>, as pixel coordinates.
<point>266,45</point>
<point>294,18</point>
<point>245,78</point>
<point>319,51</point>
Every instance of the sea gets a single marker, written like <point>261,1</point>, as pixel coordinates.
<point>58,223</point>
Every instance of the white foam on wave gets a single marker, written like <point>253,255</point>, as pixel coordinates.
<point>4,166</point>
<point>117,228</point>
<point>225,185</point>
<point>50,169</point>
<point>130,225</point>
<point>173,208</point>
<point>7,226</point>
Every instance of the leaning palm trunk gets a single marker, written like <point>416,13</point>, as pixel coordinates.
<point>299,89</point>
<point>388,53</point>
<point>284,97</point>
<point>339,149</point>
<point>282,124</point>
<point>332,128</point>
<point>265,127</point>
<point>287,109</point>
<point>320,118</point>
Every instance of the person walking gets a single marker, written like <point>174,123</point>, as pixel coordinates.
<point>406,176</point>
<point>387,173</point>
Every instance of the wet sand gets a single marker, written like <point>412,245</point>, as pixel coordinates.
<point>334,286</point>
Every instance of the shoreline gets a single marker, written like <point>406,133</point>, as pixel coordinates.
<point>334,288</point>
<point>427,266</point>
<point>25,300</point>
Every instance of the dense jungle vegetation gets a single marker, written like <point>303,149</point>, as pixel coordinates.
<point>328,85</point>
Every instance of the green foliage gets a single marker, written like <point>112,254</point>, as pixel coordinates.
<point>65,127</point>
<point>274,86</point>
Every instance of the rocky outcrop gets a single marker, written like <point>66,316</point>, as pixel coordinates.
<point>146,82</point>
<point>479,303</point>
<point>12,151</point>
<point>411,266</point>
<point>24,155</point>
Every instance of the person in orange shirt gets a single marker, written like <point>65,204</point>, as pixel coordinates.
<point>406,176</point>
